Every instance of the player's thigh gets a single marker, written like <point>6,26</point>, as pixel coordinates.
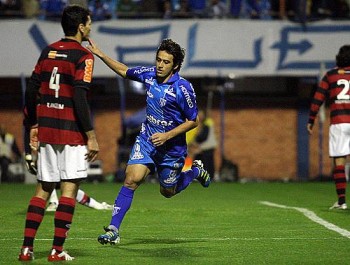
<point>47,164</point>
<point>72,162</point>
<point>339,140</point>
<point>135,174</point>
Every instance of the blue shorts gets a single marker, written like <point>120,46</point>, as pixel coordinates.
<point>168,167</point>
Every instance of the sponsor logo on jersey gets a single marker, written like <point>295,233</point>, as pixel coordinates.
<point>54,55</point>
<point>342,101</point>
<point>54,105</point>
<point>89,63</point>
<point>143,128</point>
<point>155,121</point>
<point>187,96</point>
<point>143,70</point>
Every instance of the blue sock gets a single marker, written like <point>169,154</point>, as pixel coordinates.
<point>121,206</point>
<point>186,178</point>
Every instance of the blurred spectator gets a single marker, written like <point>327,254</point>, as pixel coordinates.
<point>52,9</point>
<point>83,3</point>
<point>216,9</point>
<point>100,10</point>
<point>31,8</point>
<point>127,9</point>
<point>197,7</point>
<point>9,152</point>
<point>339,9</point>
<point>255,9</point>
<point>11,8</point>
<point>167,9</point>
<point>235,8</point>
<point>176,9</point>
<point>151,8</point>
<point>206,142</point>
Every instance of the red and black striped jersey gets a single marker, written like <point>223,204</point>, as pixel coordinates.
<point>62,67</point>
<point>335,86</point>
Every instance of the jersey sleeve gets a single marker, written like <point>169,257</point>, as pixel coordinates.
<point>139,73</point>
<point>84,71</point>
<point>187,100</point>
<point>318,98</point>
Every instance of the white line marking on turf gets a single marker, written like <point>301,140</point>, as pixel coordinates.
<point>198,238</point>
<point>313,217</point>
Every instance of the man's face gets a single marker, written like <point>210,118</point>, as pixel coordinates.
<point>164,65</point>
<point>86,29</point>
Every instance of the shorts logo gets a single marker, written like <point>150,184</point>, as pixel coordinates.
<point>137,153</point>
<point>172,177</point>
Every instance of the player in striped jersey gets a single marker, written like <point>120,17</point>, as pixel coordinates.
<point>161,146</point>
<point>61,128</point>
<point>335,85</point>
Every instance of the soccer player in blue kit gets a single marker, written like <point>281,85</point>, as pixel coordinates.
<point>161,144</point>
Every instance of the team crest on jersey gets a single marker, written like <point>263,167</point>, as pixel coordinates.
<point>149,81</point>
<point>137,152</point>
<point>162,102</point>
<point>149,94</point>
<point>170,91</point>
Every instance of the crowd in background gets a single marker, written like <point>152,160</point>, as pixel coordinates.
<point>295,10</point>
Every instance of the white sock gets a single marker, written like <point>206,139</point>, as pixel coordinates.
<point>53,197</point>
<point>81,198</point>
<point>93,203</point>
<point>80,195</point>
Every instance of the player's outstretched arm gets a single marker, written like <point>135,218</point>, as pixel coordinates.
<point>116,66</point>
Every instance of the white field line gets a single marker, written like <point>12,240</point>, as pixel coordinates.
<point>199,239</point>
<point>313,217</point>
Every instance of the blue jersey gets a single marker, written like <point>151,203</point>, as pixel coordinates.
<point>168,105</point>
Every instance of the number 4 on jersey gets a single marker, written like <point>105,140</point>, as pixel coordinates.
<point>55,81</point>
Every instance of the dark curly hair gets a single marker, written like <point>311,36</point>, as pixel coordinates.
<point>175,50</point>
<point>343,56</point>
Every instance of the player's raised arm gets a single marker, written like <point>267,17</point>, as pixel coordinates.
<point>116,66</point>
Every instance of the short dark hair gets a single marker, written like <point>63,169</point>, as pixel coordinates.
<point>72,17</point>
<point>343,56</point>
<point>175,50</point>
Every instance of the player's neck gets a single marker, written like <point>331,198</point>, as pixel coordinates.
<point>76,38</point>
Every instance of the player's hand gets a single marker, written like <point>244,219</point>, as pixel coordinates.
<point>159,139</point>
<point>34,143</point>
<point>309,128</point>
<point>93,48</point>
<point>93,150</point>
<point>31,164</point>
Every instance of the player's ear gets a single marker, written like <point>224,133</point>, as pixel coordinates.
<point>81,28</point>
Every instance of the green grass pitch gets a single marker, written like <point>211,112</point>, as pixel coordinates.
<point>224,224</point>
